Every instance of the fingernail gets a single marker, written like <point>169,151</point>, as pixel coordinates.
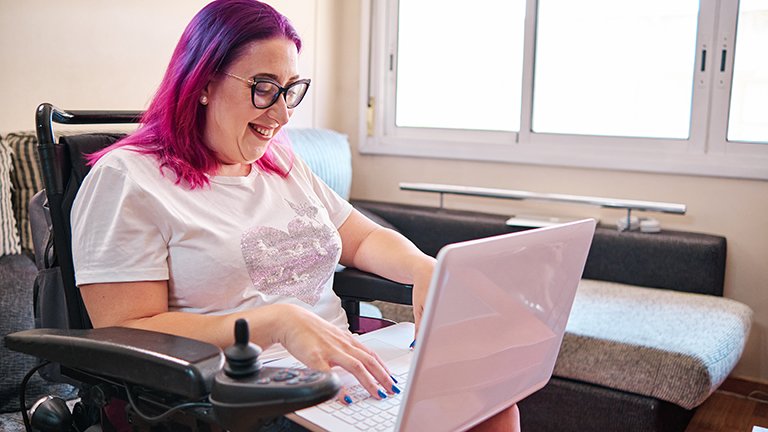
<point>348,400</point>
<point>393,379</point>
<point>396,389</point>
<point>382,394</point>
<point>413,344</point>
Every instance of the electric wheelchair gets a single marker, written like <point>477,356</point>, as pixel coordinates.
<point>164,382</point>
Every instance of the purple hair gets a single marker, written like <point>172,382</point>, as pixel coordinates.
<point>172,127</point>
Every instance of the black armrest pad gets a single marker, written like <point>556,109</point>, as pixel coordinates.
<point>356,285</point>
<point>675,260</point>
<point>173,364</point>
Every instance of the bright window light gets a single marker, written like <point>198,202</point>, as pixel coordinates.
<point>615,68</point>
<point>748,116</point>
<point>459,65</point>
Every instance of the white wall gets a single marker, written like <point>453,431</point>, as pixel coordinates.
<point>93,54</point>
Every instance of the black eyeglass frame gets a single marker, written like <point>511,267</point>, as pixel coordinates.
<point>281,90</point>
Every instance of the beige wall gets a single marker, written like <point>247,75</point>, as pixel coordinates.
<point>111,55</point>
<point>94,54</point>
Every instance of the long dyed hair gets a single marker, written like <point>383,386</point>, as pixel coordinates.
<point>172,127</point>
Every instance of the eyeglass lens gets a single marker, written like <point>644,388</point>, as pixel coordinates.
<point>265,93</point>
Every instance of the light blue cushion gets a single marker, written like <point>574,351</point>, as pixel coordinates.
<point>327,154</point>
<point>670,345</point>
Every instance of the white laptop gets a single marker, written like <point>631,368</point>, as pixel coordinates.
<point>491,331</point>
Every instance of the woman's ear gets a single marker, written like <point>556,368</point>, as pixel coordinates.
<point>204,94</point>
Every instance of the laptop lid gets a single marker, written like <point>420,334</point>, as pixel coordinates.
<point>493,324</point>
<point>490,334</point>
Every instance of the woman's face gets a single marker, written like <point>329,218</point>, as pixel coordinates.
<point>235,130</point>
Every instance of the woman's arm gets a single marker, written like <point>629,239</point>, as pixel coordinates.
<point>309,338</point>
<point>372,248</point>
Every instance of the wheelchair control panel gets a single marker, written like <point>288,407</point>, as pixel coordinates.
<point>243,387</point>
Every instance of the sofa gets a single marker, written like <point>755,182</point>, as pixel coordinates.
<point>650,336</point>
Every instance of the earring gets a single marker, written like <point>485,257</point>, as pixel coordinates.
<point>204,100</point>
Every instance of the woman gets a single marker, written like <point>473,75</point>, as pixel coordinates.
<point>203,215</point>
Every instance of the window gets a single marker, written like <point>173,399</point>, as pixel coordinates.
<point>437,75</point>
<point>620,60</point>
<point>676,86</point>
<point>748,113</point>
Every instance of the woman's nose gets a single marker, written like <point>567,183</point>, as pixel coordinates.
<point>279,111</point>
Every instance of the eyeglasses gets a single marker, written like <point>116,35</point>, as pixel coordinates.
<point>264,91</point>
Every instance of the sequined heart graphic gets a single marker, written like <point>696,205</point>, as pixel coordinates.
<point>296,263</point>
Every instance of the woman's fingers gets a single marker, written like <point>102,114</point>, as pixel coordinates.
<point>320,345</point>
<point>369,371</point>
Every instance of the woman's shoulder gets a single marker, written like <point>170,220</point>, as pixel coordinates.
<point>129,161</point>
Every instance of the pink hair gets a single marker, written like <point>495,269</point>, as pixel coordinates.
<point>172,127</point>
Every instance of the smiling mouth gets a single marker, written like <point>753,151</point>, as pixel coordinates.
<point>266,133</point>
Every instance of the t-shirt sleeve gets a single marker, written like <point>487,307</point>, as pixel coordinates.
<point>116,231</point>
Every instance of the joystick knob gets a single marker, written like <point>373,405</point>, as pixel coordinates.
<point>243,356</point>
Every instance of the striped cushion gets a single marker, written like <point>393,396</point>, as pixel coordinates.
<point>673,346</point>
<point>9,237</point>
<point>26,181</point>
<point>327,154</point>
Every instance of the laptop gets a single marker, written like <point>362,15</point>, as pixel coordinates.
<point>490,334</point>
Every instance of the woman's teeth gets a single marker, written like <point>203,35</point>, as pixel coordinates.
<point>262,131</point>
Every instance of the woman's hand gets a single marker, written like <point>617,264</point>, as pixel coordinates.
<point>320,345</point>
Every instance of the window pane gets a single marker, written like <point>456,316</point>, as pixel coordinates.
<point>748,117</point>
<point>615,68</point>
<point>459,65</point>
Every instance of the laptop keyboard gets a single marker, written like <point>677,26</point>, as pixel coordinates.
<point>367,413</point>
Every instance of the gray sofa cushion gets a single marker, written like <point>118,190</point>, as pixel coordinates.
<point>673,346</point>
<point>17,275</point>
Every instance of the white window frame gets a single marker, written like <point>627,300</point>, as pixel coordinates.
<point>706,152</point>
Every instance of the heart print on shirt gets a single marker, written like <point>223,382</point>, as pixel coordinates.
<point>296,263</point>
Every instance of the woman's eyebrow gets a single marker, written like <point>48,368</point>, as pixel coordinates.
<point>275,77</point>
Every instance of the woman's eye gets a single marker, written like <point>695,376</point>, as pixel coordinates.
<point>265,89</point>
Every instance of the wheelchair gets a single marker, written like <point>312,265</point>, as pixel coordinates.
<point>164,382</point>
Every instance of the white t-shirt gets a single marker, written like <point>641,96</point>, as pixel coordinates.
<point>242,243</point>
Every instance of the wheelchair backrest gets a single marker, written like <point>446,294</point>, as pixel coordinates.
<point>63,167</point>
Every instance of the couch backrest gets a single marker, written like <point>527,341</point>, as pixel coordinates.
<point>675,260</point>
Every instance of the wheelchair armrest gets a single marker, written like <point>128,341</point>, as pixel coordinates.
<point>172,364</point>
<point>354,285</point>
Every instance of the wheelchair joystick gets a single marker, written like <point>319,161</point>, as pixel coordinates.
<point>246,395</point>
<point>243,356</point>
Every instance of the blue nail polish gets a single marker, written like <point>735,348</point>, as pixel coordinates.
<point>348,400</point>
<point>413,344</point>
<point>393,379</point>
<point>396,389</point>
<point>382,394</point>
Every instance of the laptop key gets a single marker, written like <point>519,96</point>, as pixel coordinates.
<point>344,418</point>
